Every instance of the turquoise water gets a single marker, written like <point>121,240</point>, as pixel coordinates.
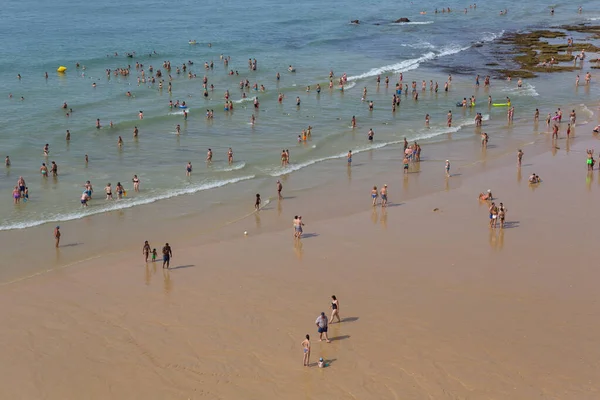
<point>313,37</point>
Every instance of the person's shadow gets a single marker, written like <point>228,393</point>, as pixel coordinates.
<point>181,267</point>
<point>333,339</point>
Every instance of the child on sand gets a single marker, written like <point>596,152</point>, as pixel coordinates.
<point>257,204</point>
<point>154,255</point>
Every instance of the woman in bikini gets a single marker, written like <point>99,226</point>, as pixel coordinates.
<point>374,194</point>
<point>108,190</point>
<point>136,183</point>
<point>306,349</point>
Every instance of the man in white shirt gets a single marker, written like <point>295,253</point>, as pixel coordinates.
<point>321,323</point>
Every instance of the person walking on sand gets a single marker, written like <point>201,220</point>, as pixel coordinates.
<point>306,350</point>
<point>57,235</point>
<point>447,168</point>
<point>257,202</point>
<point>374,195</point>
<point>279,189</point>
<point>146,250</point>
<point>493,215</point>
<point>519,157</point>
<point>321,323</point>
<point>384,196</point>
<point>300,230</point>
<point>167,254</point>
<point>335,309</point>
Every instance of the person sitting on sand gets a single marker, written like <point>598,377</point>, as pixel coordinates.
<point>596,129</point>
<point>321,363</point>
<point>486,196</point>
<point>534,178</point>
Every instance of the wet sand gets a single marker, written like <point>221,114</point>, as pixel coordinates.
<point>434,303</point>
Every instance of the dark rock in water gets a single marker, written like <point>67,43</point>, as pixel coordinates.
<point>478,45</point>
<point>377,24</point>
<point>402,20</point>
<point>355,22</point>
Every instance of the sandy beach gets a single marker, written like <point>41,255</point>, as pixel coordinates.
<point>434,304</point>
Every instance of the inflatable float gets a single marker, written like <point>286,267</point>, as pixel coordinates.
<point>500,104</point>
<point>62,68</point>
<point>183,107</point>
<point>192,42</point>
<point>468,105</point>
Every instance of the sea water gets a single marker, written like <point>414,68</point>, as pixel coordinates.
<point>312,36</point>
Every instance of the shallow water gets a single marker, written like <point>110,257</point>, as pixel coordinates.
<point>313,39</point>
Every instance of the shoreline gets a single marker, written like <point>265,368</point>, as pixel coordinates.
<point>118,232</point>
<point>470,315</point>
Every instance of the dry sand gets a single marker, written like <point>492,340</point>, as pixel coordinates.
<point>435,304</point>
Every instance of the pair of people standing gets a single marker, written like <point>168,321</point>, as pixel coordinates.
<point>383,193</point>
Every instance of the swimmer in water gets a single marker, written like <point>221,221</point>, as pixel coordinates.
<point>209,156</point>
<point>188,169</point>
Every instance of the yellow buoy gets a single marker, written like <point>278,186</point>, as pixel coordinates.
<point>61,69</point>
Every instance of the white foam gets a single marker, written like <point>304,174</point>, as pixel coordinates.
<point>586,110</point>
<point>414,63</point>
<point>410,64</point>
<point>594,18</point>
<point>233,167</point>
<point>491,36</point>
<point>413,23</point>
<point>526,90</point>
<point>127,202</point>
<point>243,100</point>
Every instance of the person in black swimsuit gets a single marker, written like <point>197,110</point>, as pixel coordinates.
<point>335,310</point>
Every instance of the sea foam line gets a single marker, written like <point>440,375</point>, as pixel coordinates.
<point>410,64</point>
<point>413,23</point>
<point>414,63</point>
<point>124,203</point>
<point>422,136</point>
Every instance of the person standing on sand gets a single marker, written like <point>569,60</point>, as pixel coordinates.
<point>57,235</point>
<point>279,189</point>
<point>384,196</point>
<point>335,309</point>
<point>321,323</point>
<point>449,118</point>
<point>493,215</point>
<point>349,156</point>
<point>146,250</point>
<point>447,168</point>
<point>257,202</point>
<point>519,157</point>
<point>405,162</point>
<point>374,195</point>
<point>296,226</point>
<point>167,254</point>
<point>501,214</point>
<point>306,350</point>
